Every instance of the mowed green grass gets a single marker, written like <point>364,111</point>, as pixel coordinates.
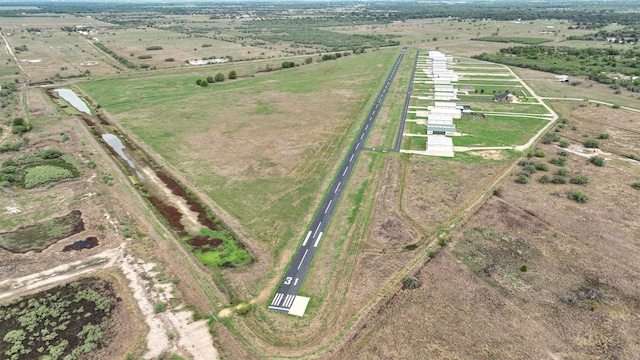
<point>497,131</point>
<point>262,148</point>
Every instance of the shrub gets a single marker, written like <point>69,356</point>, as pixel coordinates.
<point>548,138</point>
<point>591,144</point>
<point>578,196</point>
<point>431,254</point>
<point>541,167</point>
<point>497,191</point>
<point>563,153</point>
<point>91,165</point>
<point>562,172</point>
<point>564,143</point>
<point>522,179</point>
<point>559,179</point>
<point>603,136</point>
<point>153,47</point>
<point>529,169</point>
<point>198,82</point>
<point>540,154</point>
<point>597,160</point>
<point>219,77</point>
<point>443,241</point>
<point>544,179</point>
<point>243,309</point>
<point>50,154</point>
<point>232,75</point>
<point>410,283</point>
<point>204,83</point>
<point>43,174</point>
<point>210,79</point>
<point>127,233</point>
<point>524,268</point>
<point>616,106</point>
<point>169,60</point>
<point>171,335</point>
<point>559,161</point>
<point>636,185</point>
<point>159,307</point>
<point>146,56</point>
<point>579,180</point>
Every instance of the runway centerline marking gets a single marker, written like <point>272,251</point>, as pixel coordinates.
<point>345,170</point>
<point>328,206</point>
<point>314,233</point>
<point>303,256</point>
<point>335,191</point>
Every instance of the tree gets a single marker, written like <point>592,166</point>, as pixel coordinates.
<point>210,79</point>
<point>232,75</point>
<point>219,77</point>
<point>308,60</point>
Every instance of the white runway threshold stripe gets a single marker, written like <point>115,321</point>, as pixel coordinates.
<point>318,240</point>
<point>288,300</point>
<point>276,299</point>
<point>304,243</point>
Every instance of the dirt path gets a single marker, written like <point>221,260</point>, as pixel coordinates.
<point>13,55</point>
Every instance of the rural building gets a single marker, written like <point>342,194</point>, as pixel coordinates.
<point>444,96</point>
<point>443,87</point>
<point>463,107</point>
<point>439,145</point>
<point>454,113</point>
<point>444,105</point>
<point>441,81</point>
<point>442,119</point>
<point>441,129</point>
<point>505,97</point>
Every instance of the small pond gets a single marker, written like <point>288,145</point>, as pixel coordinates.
<point>88,243</point>
<point>73,99</point>
<point>116,144</point>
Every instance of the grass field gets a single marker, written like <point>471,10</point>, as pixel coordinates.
<point>497,131</point>
<point>268,141</point>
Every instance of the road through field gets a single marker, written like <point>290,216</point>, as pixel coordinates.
<point>294,276</point>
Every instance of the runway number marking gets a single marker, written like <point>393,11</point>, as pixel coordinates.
<point>287,281</point>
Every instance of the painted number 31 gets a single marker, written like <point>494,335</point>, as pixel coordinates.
<point>287,281</point>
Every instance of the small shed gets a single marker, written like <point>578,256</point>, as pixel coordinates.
<point>505,97</point>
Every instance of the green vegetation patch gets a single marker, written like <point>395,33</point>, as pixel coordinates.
<point>43,174</point>
<point>42,235</point>
<point>31,170</point>
<point>497,131</point>
<point>227,253</point>
<point>61,323</point>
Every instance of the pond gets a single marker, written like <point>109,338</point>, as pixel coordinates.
<point>116,144</point>
<point>73,99</point>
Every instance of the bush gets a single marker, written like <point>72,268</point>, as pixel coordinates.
<point>210,79</point>
<point>154,47</point>
<point>541,167</point>
<point>529,169</point>
<point>544,179</point>
<point>564,143</point>
<point>497,191</point>
<point>50,154</point>
<point>146,56</point>
<point>410,283</point>
<point>127,233</point>
<point>597,160</point>
<point>603,136</point>
<point>169,60</point>
<point>198,82</point>
<point>204,83</point>
<point>563,153</point>
<point>219,77</point>
<point>91,165</point>
<point>548,138</point>
<point>562,172</point>
<point>559,161</point>
<point>636,185</point>
<point>591,144</point>
<point>559,179</point>
<point>431,254</point>
<point>578,196</point>
<point>540,154</point>
<point>232,75</point>
<point>243,309</point>
<point>159,307</point>
<point>43,174</point>
<point>524,268</point>
<point>579,180</point>
<point>443,241</point>
<point>616,106</point>
<point>522,179</point>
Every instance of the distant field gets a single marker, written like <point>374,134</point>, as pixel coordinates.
<point>259,147</point>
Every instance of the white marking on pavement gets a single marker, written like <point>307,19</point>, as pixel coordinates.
<point>361,136</point>
<point>295,282</point>
<point>337,187</point>
<point>314,233</point>
<point>303,256</point>
<point>345,170</point>
<point>318,240</point>
<point>278,308</point>
<point>288,301</point>
<point>357,146</point>
<point>366,127</point>
<point>352,155</point>
<point>277,298</point>
<point>327,209</point>
<point>304,243</point>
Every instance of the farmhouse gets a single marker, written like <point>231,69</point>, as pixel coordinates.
<point>505,97</point>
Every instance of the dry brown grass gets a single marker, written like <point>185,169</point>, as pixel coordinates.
<point>578,298</point>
